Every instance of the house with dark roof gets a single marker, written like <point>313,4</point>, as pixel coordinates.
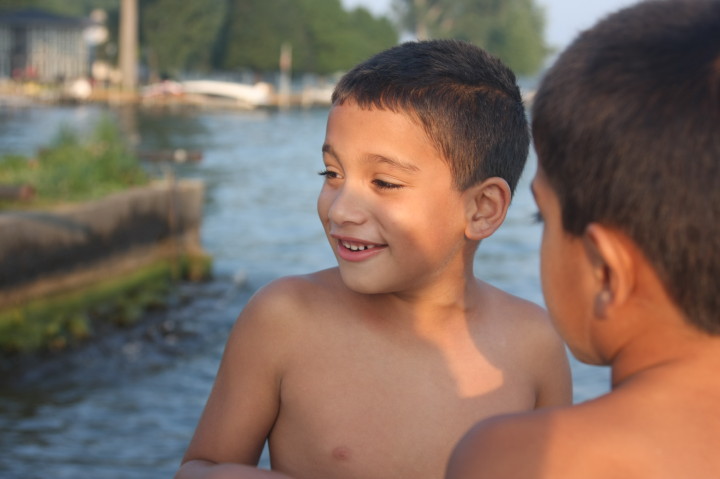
<point>42,46</point>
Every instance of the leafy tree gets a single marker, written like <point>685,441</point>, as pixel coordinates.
<point>510,29</point>
<point>177,36</point>
<point>180,35</point>
<point>324,37</point>
<point>369,35</point>
<point>256,29</point>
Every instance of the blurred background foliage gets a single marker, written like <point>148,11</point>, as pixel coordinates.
<point>181,36</point>
<point>514,30</point>
<point>73,168</point>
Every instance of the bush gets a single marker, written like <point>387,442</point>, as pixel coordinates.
<point>71,170</point>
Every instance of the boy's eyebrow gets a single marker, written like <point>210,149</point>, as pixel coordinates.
<point>326,148</point>
<point>395,163</point>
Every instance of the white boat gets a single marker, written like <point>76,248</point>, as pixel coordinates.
<point>247,96</point>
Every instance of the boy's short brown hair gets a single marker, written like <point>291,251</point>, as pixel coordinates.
<point>627,129</point>
<point>467,101</point>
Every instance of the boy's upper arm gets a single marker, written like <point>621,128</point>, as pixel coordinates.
<point>245,397</point>
<point>552,368</point>
<point>555,388</point>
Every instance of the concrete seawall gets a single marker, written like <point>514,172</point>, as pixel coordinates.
<point>66,249</point>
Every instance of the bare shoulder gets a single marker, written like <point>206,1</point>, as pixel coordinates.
<point>537,348</point>
<point>663,424</point>
<point>508,446</point>
<point>267,338</point>
<point>289,298</point>
<point>508,305</point>
<point>521,319</point>
<point>637,432</point>
<point>278,313</point>
<point>560,443</point>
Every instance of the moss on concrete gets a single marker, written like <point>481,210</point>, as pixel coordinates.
<point>62,320</point>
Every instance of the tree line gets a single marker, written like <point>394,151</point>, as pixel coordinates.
<point>513,30</point>
<point>178,36</point>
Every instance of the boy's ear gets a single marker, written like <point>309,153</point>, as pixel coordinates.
<point>486,205</point>
<point>611,259</point>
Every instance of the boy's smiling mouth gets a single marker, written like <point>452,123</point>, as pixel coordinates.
<point>351,249</point>
<point>356,247</point>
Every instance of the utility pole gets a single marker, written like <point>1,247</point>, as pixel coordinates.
<point>129,44</point>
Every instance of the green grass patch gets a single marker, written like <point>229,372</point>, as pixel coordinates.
<point>62,320</point>
<point>72,169</point>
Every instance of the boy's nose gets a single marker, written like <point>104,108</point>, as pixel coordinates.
<point>347,206</point>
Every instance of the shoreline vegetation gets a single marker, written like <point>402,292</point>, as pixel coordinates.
<point>73,170</point>
<point>98,241</point>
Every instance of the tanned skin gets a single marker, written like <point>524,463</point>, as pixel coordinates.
<point>662,418</point>
<point>375,369</point>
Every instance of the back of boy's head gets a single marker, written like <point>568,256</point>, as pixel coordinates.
<point>627,129</point>
<point>467,101</point>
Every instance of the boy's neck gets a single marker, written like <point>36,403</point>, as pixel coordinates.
<point>663,351</point>
<point>434,307</point>
<point>644,331</point>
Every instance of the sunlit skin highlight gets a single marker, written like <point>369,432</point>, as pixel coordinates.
<point>391,194</point>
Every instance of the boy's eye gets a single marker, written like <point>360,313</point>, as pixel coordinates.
<point>537,217</point>
<point>328,174</point>
<point>385,185</point>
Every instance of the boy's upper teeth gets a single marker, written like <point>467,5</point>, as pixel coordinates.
<point>355,247</point>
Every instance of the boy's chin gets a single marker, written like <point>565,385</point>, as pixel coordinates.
<point>363,284</point>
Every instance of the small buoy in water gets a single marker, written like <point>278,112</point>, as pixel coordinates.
<point>240,278</point>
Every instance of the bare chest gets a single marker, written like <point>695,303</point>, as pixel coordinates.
<point>373,414</point>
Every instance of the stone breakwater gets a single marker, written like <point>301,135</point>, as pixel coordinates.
<point>48,256</point>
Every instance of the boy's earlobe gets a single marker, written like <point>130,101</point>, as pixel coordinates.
<point>603,298</point>
<point>486,205</point>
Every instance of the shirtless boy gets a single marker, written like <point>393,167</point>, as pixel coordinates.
<point>627,129</point>
<point>375,369</point>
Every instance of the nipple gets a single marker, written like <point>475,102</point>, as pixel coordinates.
<point>341,453</point>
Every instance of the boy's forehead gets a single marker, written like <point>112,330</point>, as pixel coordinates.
<point>390,161</point>
<point>405,112</point>
<point>402,114</point>
<point>381,135</point>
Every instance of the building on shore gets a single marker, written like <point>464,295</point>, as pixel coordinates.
<point>41,46</point>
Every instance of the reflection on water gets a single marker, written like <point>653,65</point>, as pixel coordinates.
<point>125,406</point>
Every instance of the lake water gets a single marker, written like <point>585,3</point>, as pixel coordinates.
<point>126,406</point>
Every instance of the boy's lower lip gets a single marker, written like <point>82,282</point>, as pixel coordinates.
<point>355,256</point>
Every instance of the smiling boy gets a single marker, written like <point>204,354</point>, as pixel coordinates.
<point>374,369</point>
<point>627,129</point>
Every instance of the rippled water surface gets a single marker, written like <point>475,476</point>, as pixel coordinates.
<point>125,406</point>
